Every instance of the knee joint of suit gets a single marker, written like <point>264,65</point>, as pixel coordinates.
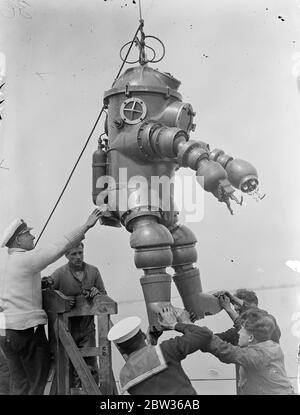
<point>152,243</point>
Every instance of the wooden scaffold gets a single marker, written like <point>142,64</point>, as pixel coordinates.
<point>65,350</point>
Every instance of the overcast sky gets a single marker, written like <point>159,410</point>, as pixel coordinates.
<point>238,63</point>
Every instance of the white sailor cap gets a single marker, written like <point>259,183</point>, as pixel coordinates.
<point>17,227</point>
<point>124,330</point>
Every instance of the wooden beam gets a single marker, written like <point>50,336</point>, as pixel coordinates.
<point>105,372</point>
<point>79,364</point>
<point>60,360</point>
<point>90,351</point>
<point>55,301</point>
<point>114,384</point>
<point>100,304</point>
<point>51,383</point>
<point>67,371</point>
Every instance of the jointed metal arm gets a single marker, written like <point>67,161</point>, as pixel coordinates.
<point>173,143</point>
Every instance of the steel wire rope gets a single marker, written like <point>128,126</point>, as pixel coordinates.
<point>87,141</point>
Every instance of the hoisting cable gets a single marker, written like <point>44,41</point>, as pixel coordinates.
<point>71,174</point>
<point>142,55</point>
<point>88,139</point>
<point>140,10</point>
<point>132,42</point>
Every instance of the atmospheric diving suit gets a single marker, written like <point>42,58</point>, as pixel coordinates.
<point>148,129</point>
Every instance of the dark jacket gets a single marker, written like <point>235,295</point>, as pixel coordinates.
<point>172,380</point>
<point>262,370</point>
<point>232,336</point>
<point>65,281</point>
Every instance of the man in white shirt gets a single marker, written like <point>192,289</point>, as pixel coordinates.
<point>22,319</point>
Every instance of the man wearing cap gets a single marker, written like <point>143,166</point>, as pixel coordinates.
<point>242,300</point>
<point>79,278</point>
<point>22,319</point>
<point>157,370</point>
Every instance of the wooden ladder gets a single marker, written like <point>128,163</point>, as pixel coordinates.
<point>65,349</point>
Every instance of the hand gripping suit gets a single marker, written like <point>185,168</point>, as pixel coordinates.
<point>148,129</point>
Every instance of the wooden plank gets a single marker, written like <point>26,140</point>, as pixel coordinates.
<point>59,359</point>
<point>55,301</point>
<point>114,384</point>
<point>90,351</point>
<point>53,389</point>
<point>101,304</point>
<point>52,341</point>
<point>105,374</point>
<point>62,359</point>
<point>67,370</point>
<point>49,389</point>
<point>58,309</point>
<point>79,364</point>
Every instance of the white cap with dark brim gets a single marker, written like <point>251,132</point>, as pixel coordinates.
<point>15,228</point>
<point>124,330</point>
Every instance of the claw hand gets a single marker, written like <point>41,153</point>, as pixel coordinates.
<point>225,192</point>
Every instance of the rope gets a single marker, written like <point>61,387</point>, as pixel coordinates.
<point>132,42</point>
<point>142,57</point>
<point>87,141</point>
<point>140,9</point>
<point>71,174</point>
